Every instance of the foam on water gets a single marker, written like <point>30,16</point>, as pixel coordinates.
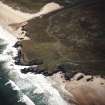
<point>7,36</point>
<point>7,56</point>
<point>36,83</point>
<point>23,98</point>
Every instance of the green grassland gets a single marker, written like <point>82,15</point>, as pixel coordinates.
<point>72,37</point>
<point>26,5</point>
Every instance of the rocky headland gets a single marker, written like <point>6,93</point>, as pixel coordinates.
<point>67,45</point>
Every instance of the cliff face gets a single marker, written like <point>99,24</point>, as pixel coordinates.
<point>70,39</point>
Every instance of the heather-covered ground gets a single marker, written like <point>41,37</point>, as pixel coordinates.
<point>71,39</point>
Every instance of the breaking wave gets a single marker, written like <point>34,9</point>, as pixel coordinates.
<point>33,89</point>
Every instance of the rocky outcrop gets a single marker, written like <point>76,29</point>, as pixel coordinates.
<point>78,76</point>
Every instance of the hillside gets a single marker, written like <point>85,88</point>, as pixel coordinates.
<point>70,39</point>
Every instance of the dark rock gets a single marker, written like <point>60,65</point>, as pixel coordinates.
<point>18,44</point>
<point>45,73</point>
<point>35,70</point>
<point>89,78</point>
<point>24,70</point>
<point>102,83</point>
<point>17,60</point>
<point>78,76</point>
<point>19,53</point>
<point>35,62</point>
<point>67,76</point>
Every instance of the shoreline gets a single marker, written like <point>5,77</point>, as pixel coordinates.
<point>16,68</point>
<point>77,88</point>
<point>10,41</point>
<point>17,19</point>
<point>72,88</point>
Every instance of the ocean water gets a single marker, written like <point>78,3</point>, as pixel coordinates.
<point>22,89</point>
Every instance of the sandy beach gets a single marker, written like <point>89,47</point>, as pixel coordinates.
<point>13,20</point>
<point>83,92</point>
<point>10,16</point>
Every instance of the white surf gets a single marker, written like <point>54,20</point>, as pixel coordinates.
<point>30,83</point>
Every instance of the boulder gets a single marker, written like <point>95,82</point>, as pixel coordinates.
<point>78,76</point>
<point>89,78</point>
<point>18,44</point>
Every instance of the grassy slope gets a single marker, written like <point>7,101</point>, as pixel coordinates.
<point>73,37</point>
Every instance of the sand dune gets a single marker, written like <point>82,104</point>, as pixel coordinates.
<point>10,16</point>
<point>16,19</point>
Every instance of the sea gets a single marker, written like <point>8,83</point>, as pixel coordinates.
<point>22,89</point>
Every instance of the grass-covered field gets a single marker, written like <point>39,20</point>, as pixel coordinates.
<point>72,38</point>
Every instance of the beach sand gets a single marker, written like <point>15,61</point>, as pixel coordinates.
<point>13,20</point>
<point>10,16</point>
<point>82,92</point>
